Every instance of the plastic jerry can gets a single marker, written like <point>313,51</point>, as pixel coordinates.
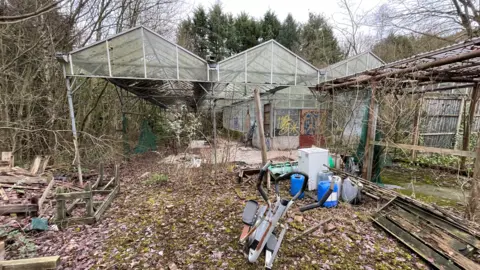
<point>296,182</point>
<point>332,200</point>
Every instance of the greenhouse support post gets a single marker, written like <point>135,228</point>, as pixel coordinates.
<point>74,130</point>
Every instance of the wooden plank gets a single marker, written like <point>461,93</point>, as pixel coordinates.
<point>109,183</point>
<point>311,229</point>
<point>106,203</point>
<point>3,194</point>
<point>19,187</point>
<point>433,257</point>
<point>75,221</point>
<point>108,191</point>
<point>18,208</point>
<point>40,263</point>
<point>41,210</point>
<point>2,250</point>
<point>427,149</point>
<point>72,206</point>
<point>72,195</point>
<point>44,164</point>
<point>35,165</point>
<point>7,179</point>
<point>436,241</point>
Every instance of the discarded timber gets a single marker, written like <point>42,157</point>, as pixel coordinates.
<point>41,210</point>
<point>441,242</point>
<point>244,173</point>
<point>93,209</point>
<point>311,229</point>
<point>8,179</point>
<point>41,263</point>
<point>4,195</point>
<point>36,165</point>
<point>18,208</point>
<point>2,250</point>
<point>106,203</point>
<point>19,187</point>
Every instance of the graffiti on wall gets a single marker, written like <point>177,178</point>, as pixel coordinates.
<point>308,122</point>
<point>312,122</point>
<point>287,122</point>
<point>287,126</point>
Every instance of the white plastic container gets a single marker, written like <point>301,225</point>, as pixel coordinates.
<point>311,161</point>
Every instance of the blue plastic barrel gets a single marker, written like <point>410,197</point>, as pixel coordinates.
<point>296,183</point>
<point>332,200</point>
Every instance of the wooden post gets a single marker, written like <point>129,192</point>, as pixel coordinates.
<point>261,132</point>
<point>468,124</point>
<point>368,156</point>
<point>117,177</point>
<point>101,173</point>
<point>473,199</point>
<point>89,201</point>
<point>416,127</point>
<point>60,216</point>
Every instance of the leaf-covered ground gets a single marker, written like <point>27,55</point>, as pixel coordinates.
<point>190,218</point>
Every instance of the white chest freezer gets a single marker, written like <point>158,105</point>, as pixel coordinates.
<point>310,162</point>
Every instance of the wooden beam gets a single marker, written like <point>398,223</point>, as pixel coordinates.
<point>109,183</point>
<point>72,195</point>
<point>469,122</point>
<point>368,155</point>
<point>19,187</point>
<point>427,149</point>
<point>35,165</point>
<point>7,179</point>
<point>41,263</point>
<point>106,203</point>
<point>261,131</point>
<point>4,195</point>
<point>2,250</point>
<point>18,208</point>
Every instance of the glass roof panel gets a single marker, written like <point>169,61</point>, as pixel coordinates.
<point>126,54</point>
<point>284,66</point>
<point>259,64</point>
<point>161,57</point>
<point>91,61</point>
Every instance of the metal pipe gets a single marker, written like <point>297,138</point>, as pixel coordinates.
<point>74,130</point>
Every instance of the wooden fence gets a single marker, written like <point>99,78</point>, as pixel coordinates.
<point>93,209</point>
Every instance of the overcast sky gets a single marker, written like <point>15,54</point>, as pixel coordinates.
<point>298,8</point>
